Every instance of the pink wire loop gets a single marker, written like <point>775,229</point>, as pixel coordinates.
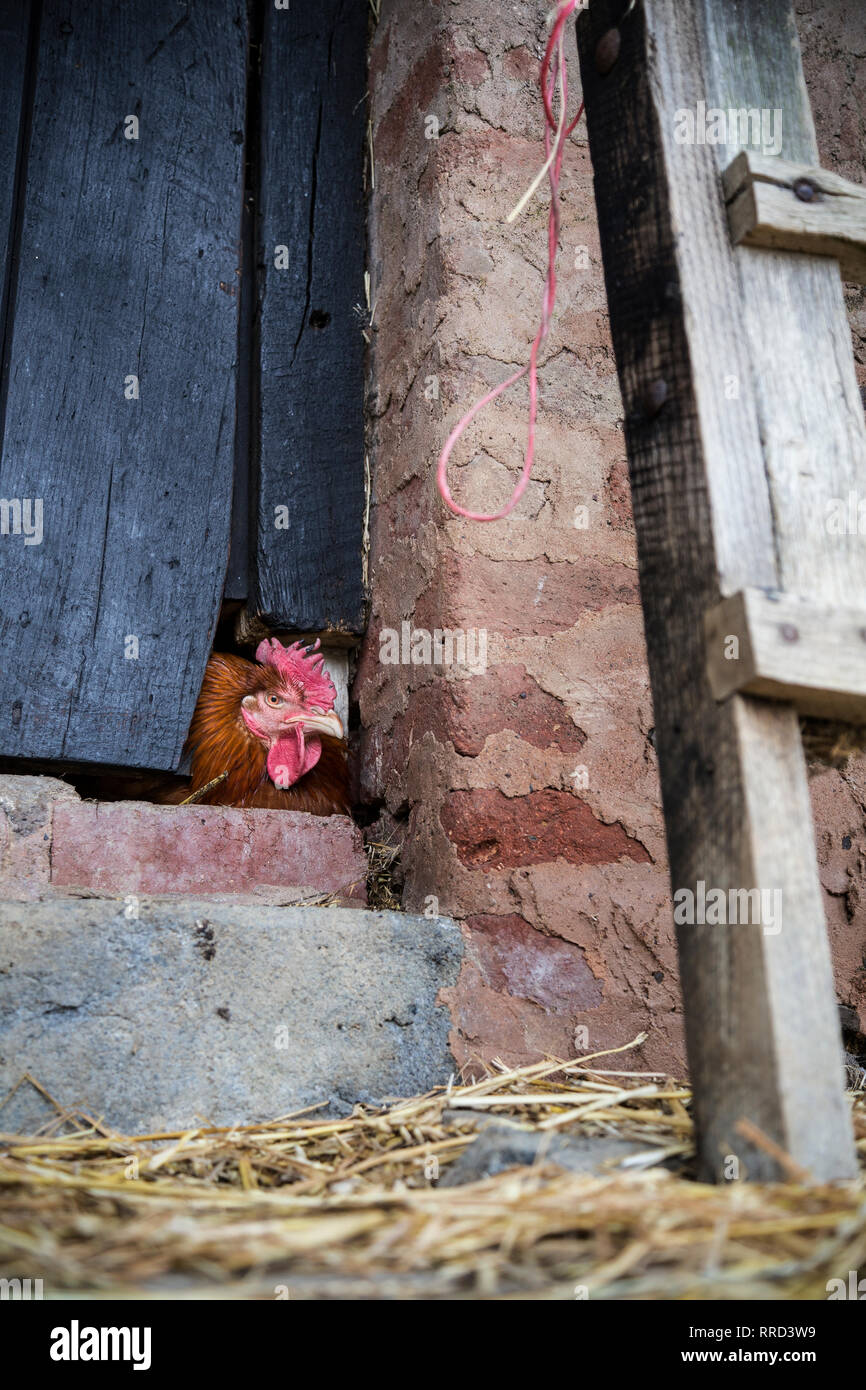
<point>547,81</point>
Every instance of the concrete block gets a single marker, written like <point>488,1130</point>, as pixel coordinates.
<point>208,1011</point>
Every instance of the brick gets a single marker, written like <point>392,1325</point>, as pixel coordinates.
<point>514,957</point>
<point>417,96</point>
<point>466,713</point>
<point>520,65</point>
<point>505,697</point>
<point>26,809</point>
<point>470,67</point>
<point>520,599</point>
<point>491,829</point>
<point>133,847</point>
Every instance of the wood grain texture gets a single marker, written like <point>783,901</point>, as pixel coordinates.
<point>764,210</point>
<point>762,1035</point>
<point>795,324</point>
<point>311,429</point>
<point>17,26</point>
<point>783,647</point>
<point>127,264</point>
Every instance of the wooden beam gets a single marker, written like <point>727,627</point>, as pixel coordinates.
<point>724,356</point>
<point>797,207</point>
<point>310,485</point>
<point>782,647</point>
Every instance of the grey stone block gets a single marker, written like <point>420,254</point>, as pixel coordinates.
<point>501,1145</point>
<point>208,1010</point>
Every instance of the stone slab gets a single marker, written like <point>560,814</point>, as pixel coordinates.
<point>198,1010</point>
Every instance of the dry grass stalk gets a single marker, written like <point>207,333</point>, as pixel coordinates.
<point>203,791</point>
<point>382,857</point>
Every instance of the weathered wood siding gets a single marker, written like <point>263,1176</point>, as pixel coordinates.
<point>125,264</point>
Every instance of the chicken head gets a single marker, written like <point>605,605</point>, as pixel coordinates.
<point>292,709</point>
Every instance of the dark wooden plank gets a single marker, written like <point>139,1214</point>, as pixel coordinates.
<point>761,1025</point>
<point>311,446</point>
<point>127,265</point>
<point>237,585</point>
<point>16,21</point>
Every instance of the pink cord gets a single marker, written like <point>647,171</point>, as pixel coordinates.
<point>547,82</point>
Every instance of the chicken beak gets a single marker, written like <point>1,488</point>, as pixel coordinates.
<point>329,723</point>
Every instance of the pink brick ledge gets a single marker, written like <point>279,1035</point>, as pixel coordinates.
<point>134,847</point>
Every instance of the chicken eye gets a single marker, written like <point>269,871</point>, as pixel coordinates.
<point>274,700</point>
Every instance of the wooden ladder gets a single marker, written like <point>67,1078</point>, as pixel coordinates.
<point>746,437</point>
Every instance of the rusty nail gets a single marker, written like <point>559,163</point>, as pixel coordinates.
<point>607,51</point>
<point>654,395</point>
<point>804,190</point>
<point>789,632</point>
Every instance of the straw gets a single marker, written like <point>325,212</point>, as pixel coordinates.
<point>316,1206</point>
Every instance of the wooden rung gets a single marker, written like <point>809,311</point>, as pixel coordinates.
<point>761,642</point>
<point>797,207</point>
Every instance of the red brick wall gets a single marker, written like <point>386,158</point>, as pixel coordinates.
<point>560,879</point>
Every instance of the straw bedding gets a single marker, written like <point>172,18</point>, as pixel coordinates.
<point>315,1207</point>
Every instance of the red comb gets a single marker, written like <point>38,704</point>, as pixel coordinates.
<point>300,666</point>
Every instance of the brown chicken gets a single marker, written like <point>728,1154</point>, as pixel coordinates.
<point>270,725</point>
